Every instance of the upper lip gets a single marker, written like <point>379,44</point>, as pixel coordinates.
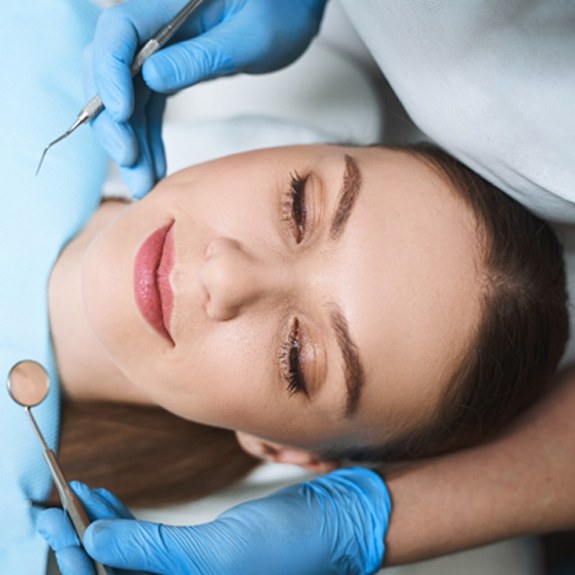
<point>153,292</point>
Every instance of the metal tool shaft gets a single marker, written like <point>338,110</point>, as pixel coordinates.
<point>69,500</point>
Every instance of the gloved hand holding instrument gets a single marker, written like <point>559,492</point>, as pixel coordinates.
<point>333,524</point>
<point>222,37</point>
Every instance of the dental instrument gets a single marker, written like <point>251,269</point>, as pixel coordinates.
<point>95,105</point>
<point>28,385</point>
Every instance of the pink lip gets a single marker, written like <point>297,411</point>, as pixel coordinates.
<point>152,290</point>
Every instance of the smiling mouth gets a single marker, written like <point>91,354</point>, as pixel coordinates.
<point>152,289</point>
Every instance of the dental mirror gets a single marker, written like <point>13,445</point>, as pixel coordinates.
<point>28,383</point>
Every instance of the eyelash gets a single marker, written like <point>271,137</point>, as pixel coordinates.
<point>294,206</point>
<point>290,362</point>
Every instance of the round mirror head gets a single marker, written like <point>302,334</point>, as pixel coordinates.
<point>28,383</point>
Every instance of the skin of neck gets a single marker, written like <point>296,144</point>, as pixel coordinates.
<point>84,366</point>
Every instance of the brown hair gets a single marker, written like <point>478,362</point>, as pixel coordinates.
<point>146,455</point>
<point>524,327</point>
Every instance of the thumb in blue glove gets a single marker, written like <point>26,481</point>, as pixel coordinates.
<point>223,37</point>
<point>333,524</point>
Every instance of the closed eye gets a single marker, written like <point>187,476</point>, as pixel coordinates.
<point>294,210</point>
<point>290,362</point>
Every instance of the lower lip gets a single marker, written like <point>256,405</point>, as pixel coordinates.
<point>152,290</point>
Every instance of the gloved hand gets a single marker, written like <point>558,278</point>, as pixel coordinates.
<point>333,524</point>
<point>55,526</point>
<point>223,37</point>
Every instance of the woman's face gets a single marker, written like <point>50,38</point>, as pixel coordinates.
<point>312,295</point>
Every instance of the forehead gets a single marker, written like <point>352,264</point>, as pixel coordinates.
<point>412,295</point>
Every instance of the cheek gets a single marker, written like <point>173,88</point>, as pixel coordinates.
<point>216,378</point>
<point>229,202</point>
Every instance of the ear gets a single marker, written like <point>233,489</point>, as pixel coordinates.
<point>278,453</point>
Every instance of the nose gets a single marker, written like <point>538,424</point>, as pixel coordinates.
<point>233,279</point>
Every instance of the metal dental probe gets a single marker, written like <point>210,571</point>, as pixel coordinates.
<point>95,106</point>
<point>28,386</point>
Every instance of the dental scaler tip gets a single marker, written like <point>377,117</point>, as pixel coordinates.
<point>83,117</point>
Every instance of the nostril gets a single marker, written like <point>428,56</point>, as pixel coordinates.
<point>223,278</point>
<point>219,311</point>
<point>205,297</point>
<point>218,297</point>
<point>219,246</point>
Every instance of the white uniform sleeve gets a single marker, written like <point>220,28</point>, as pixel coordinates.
<point>492,82</point>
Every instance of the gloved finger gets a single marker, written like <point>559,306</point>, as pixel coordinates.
<point>115,43</point>
<point>113,49</point>
<point>139,180</point>
<point>229,46</point>
<point>115,504</point>
<point>129,544</point>
<point>100,503</point>
<point>371,501</point>
<point>55,526</point>
<point>140,177</point>
<point>75,561</point>
<point>155,113</point>
<point>220,51</point>
<point>118,140</point>
<point>220,43</point>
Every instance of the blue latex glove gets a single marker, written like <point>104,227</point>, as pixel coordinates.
<point>334,524</point>
<point>223,37</point>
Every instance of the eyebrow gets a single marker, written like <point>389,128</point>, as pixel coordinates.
<point>348,193</point>
<point>352,367</point>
